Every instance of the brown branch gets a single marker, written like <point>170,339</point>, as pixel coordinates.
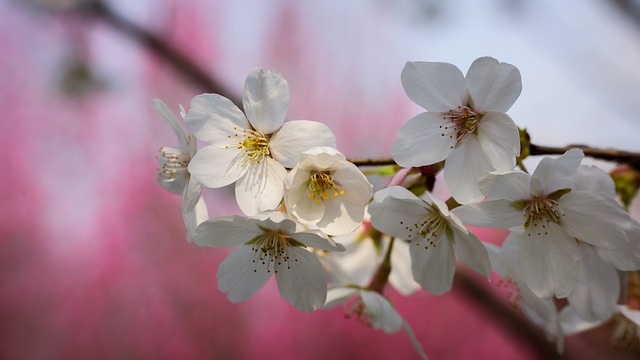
<point>619,156</point>
<point>506,316</point>
<point>174,57</point>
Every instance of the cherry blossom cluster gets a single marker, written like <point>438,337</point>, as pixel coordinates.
<point>311,217</point>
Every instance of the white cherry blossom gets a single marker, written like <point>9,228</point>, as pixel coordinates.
<point>541,311</point>
<point>327,191</point>
<point>436,236</point>
<point>173,172</point>
<point>555,218</point>
<point>365,250</point>
<point>373,310</point>
<point>253,150</point>
<point>465,122</point>
<point>268,245</point>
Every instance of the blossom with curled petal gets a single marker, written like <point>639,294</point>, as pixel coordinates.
<point>556,220</point>
<point>373,310</point>
<point>465,122</point>
<point>327,191</point>
<point>541,311</point>
<point>173,174</point>
<point>253,150</point>
<point>268,245</point>
<point>436,236</point>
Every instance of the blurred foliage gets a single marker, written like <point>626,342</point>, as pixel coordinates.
<point>627,181</point>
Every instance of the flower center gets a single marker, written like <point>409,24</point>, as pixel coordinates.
<point>254,143</point>
<point>462,122</point>
<point>322,187</point>
<point>271,249</point>
<point>429,229</point>
<point>358,310</point>
<point>539,212</point>
<point>172,164</point>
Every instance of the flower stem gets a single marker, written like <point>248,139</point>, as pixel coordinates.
<point>381,277</point>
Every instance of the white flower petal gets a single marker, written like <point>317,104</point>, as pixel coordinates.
<point>171,172</point>
<point>239,277</point>
<point>297,136</point>
<point>463,169</point>
<point>382,315</point>
<point>261,188</point>
<point>626,258</point>
<point>494,213</point>
<point>510,251</point>
<point>583,219</point>
<point>357,189</point>
<point>471,251</point>
<point>266,99</point>
<point>545,309</point>
<point>170,118</point>
<point>191,195</point>
<point>493,86</point>
<point>593,179</point>
<point>321,158</point>
<point>549,262</point>
<point>214,167</point>
<point>401,277</point>
<point>421,141</point>
<point>572,323</point>
<point>499,139</point>
<point>317,242</point>
<point>633,315</point>
<point>297,200</point>
<point>194,217</point>
<point>213,117</point>
<point>497,264</point>
<point>340,217</point>
<point>398,193</point>
<point>509,186</point>
<point>554,174</point>
<point>434,267</point>
<point>596,293</point>
<point>301,280</point>
<point>226,231</point>
<point>395,216</point>
<point>435,86</point>
<point>338,295</point>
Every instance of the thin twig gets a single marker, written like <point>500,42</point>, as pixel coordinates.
<point>619,156</point>
<point>174,57</point>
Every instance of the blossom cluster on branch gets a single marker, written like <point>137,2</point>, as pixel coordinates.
<point>313,221</point>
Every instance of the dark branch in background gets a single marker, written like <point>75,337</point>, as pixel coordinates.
<point>517,325</point>
<point>174,57</point>
<point>619,156</point>
<point>508,318</point>
<point>196,75</point>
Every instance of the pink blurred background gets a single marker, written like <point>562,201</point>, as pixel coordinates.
<point>93,262</point>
